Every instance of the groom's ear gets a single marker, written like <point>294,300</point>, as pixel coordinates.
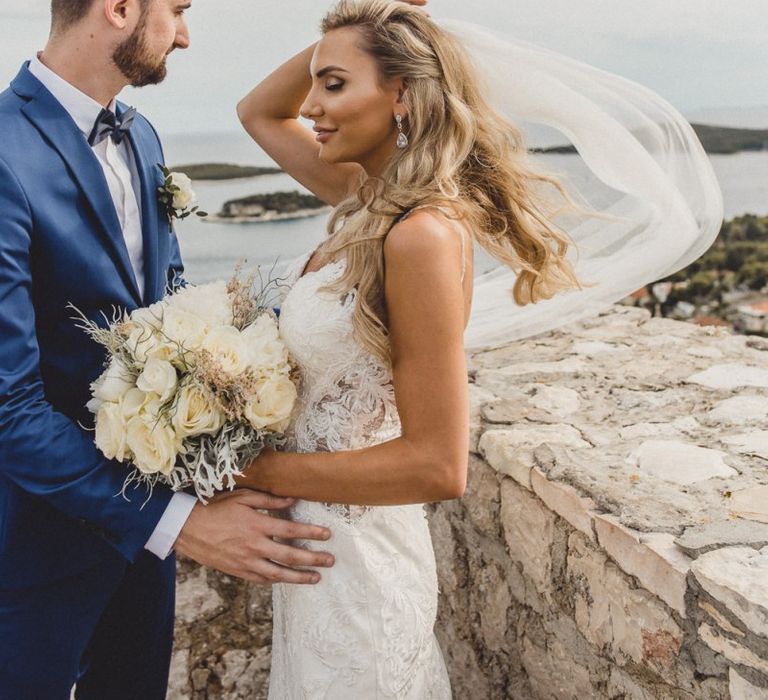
<point>122,14</point>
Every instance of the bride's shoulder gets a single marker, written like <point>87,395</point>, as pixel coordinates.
<point>426,233</point>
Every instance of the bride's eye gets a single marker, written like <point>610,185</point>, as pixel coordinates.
<point>334,85</point>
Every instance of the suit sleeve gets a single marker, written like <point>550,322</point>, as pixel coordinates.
<point>41,450</point>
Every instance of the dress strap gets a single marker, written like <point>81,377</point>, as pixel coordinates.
<point>406,214</point>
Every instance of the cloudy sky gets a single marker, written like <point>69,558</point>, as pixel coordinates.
<point>708,57</point>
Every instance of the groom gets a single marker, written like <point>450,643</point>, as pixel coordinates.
<point>87,577</point>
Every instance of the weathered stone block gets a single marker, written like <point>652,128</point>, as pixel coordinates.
<point>653,559</point>
<point>565,501</point>
<point>731,649</point>
<point>742,689</point>
<point>510,451</point>
<point>529,532</point>
<point>737,577</point>
<point>701,539</point>
<point>624,622</point>
<point>680,462</point>
<point>554,674</point>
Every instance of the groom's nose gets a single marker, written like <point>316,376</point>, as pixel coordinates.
<point>181,40</point>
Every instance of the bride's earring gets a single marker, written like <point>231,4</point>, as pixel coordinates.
<point>402,139</point>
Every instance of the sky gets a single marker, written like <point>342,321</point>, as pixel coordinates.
<point>709,58</point>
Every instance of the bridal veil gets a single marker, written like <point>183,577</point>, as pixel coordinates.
<point>641,168</point>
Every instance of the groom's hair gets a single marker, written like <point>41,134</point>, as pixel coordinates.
<point>65,13</point>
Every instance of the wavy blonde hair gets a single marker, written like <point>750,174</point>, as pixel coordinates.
<point>463,155</point>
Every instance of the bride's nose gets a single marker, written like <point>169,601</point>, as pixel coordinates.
<point>310,109</point>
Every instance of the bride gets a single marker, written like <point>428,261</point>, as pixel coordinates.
<point>418,167</point>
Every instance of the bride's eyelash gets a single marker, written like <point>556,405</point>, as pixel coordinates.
<point>334,86</point>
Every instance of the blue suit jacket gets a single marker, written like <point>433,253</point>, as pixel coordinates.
<point>61,242</point>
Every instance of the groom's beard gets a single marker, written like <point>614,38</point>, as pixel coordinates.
<point>137,63</point>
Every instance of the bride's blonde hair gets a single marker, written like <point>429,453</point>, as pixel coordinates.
<point>462,155</point>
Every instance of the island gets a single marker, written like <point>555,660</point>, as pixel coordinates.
<point>223,171</point>
<point>274,206</point>
<point>720,140</point>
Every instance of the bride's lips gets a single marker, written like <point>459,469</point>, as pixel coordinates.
<point>323,134</point>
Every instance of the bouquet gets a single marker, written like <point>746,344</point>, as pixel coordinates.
<point>195,387</point>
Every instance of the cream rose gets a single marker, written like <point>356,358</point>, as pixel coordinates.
<point>183,329</point>
<point>152,442</point>
<point>111,431</point>
<point>185,194</point>
<point>209,303</point>
<point>112,385</point>
<point>194,413</point>
<point>149,317</point>
<point>144,343</point>
<point>227,346</point>
<point>159,377</point>
<point>133,402</point>
<point>272,405</point>
<point>266,351</point>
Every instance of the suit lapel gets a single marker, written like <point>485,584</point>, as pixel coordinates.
<point>149,174</point>
<point>57,127</point>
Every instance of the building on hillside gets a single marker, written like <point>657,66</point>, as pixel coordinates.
<point>753,318</point>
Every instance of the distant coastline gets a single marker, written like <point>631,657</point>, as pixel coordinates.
<point>274,206</point>
<point>719,140</point>
<point>223,171</point>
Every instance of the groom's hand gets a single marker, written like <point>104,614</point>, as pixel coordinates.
<point>231,535</point>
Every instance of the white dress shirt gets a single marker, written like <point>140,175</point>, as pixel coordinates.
<point>122,176</point>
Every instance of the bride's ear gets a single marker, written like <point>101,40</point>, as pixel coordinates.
<point>403,87</point>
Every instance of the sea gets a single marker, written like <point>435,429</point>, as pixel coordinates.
<point>212,250</point>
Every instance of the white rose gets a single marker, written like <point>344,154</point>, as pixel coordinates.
<point>158,376</point>
<point>185,195</point>
<point>228,348</point>
<point>194,413</point>
<point>152,442</point>
<point>149,317</point>
<point>111,431</point>
<point>266,351</point>
<point>272,404</point>
<point>133,402</point>
<point>209,302</point>
<point>184,329</point>
<point>144,343</point>
<point>112,385</point>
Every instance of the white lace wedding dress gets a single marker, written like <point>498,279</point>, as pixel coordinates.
<point>364,632</point>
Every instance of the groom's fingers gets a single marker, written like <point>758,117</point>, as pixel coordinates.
<point>291,530</point>
<point>297,558</point>
<point>269,572</point>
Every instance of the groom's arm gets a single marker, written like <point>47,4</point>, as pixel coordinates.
<point>45,454</point>
<point>42,451</point>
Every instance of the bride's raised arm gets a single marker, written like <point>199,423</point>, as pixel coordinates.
<point>270,114</point>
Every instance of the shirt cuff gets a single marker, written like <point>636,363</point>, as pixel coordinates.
<point>170,524</point>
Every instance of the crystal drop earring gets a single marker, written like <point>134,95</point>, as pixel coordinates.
<point>402,139</point>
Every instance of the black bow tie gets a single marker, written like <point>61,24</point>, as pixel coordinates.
<point>108,124</point>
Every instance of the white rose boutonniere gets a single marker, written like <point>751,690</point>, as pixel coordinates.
<point>177,196</point>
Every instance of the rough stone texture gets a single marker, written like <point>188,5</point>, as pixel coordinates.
<point>736,577</point>
<point>560,572</point>
<point>699,540</point>
<point>751,503</point>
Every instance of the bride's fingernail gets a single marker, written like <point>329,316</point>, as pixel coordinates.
<point>316,578</point>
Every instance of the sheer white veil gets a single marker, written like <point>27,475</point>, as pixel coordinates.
<point>640,163</point>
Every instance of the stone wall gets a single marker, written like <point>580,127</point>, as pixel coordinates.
<point>613,540</point>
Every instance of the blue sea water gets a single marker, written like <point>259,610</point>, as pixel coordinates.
<point>211,250</point>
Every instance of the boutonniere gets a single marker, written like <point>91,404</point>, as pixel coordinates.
<point>177,196</point>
